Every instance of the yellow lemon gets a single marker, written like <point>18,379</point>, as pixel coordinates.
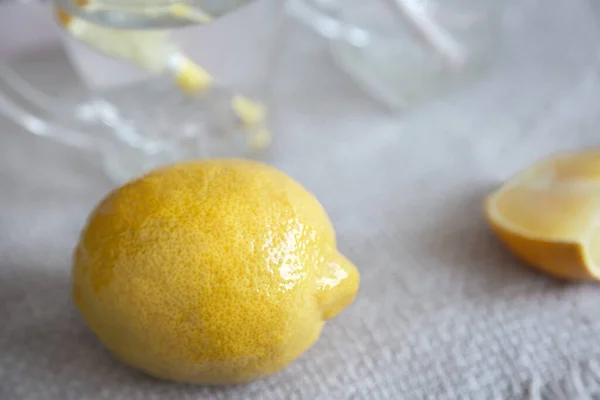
<point>549,215</point>
<point>210,272</point>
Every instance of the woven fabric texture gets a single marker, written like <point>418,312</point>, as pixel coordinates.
<point>444,311</point>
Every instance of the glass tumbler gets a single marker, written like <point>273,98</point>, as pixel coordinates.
<point>131,118</point>
<point>402,51</point>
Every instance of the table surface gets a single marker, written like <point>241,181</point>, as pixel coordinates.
<point>444,312</point>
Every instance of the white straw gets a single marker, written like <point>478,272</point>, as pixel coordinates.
<point>430,31</point>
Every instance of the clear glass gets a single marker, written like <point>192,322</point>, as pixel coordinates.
<point>401,51</point>
<point>149,14</point>
<point>144,120</point>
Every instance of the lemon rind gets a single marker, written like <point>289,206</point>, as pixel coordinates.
<point>582,242</point>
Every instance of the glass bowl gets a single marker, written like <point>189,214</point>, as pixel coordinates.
<point>133,120</point>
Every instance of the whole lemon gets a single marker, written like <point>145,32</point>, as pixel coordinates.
<point>212,272</point>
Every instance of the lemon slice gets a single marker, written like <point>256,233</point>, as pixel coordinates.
<point>549,215</point>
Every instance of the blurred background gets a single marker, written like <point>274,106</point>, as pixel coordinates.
<point>400,115</point>
<point>69,70</point>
